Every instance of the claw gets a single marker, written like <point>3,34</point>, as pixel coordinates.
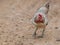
<point>34,35</point>
<point>40,36</point>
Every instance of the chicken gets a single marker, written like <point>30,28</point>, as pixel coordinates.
<point>40,18</point>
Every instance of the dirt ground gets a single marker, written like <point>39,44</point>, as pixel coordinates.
<point>15,25</point>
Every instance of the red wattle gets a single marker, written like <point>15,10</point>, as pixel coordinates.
<point>39,19</point>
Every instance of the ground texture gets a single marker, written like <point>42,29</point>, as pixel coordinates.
<point>15,25</point>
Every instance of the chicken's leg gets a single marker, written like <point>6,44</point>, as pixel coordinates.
<point>34,34</point>
<point>42,34</point>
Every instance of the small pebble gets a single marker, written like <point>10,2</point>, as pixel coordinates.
<point>18,36</point>
<point>22,36</point>
<point>0,26</point>
<point>56,27</point>
<point>58,40</point>
<point>16,25</point>
<point>21,43</point>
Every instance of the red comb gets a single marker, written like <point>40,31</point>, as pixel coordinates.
<point>40,16</point>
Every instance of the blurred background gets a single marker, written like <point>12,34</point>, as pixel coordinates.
<point>15,25</point>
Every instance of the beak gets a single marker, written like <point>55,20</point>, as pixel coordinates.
<point>47,4</point>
